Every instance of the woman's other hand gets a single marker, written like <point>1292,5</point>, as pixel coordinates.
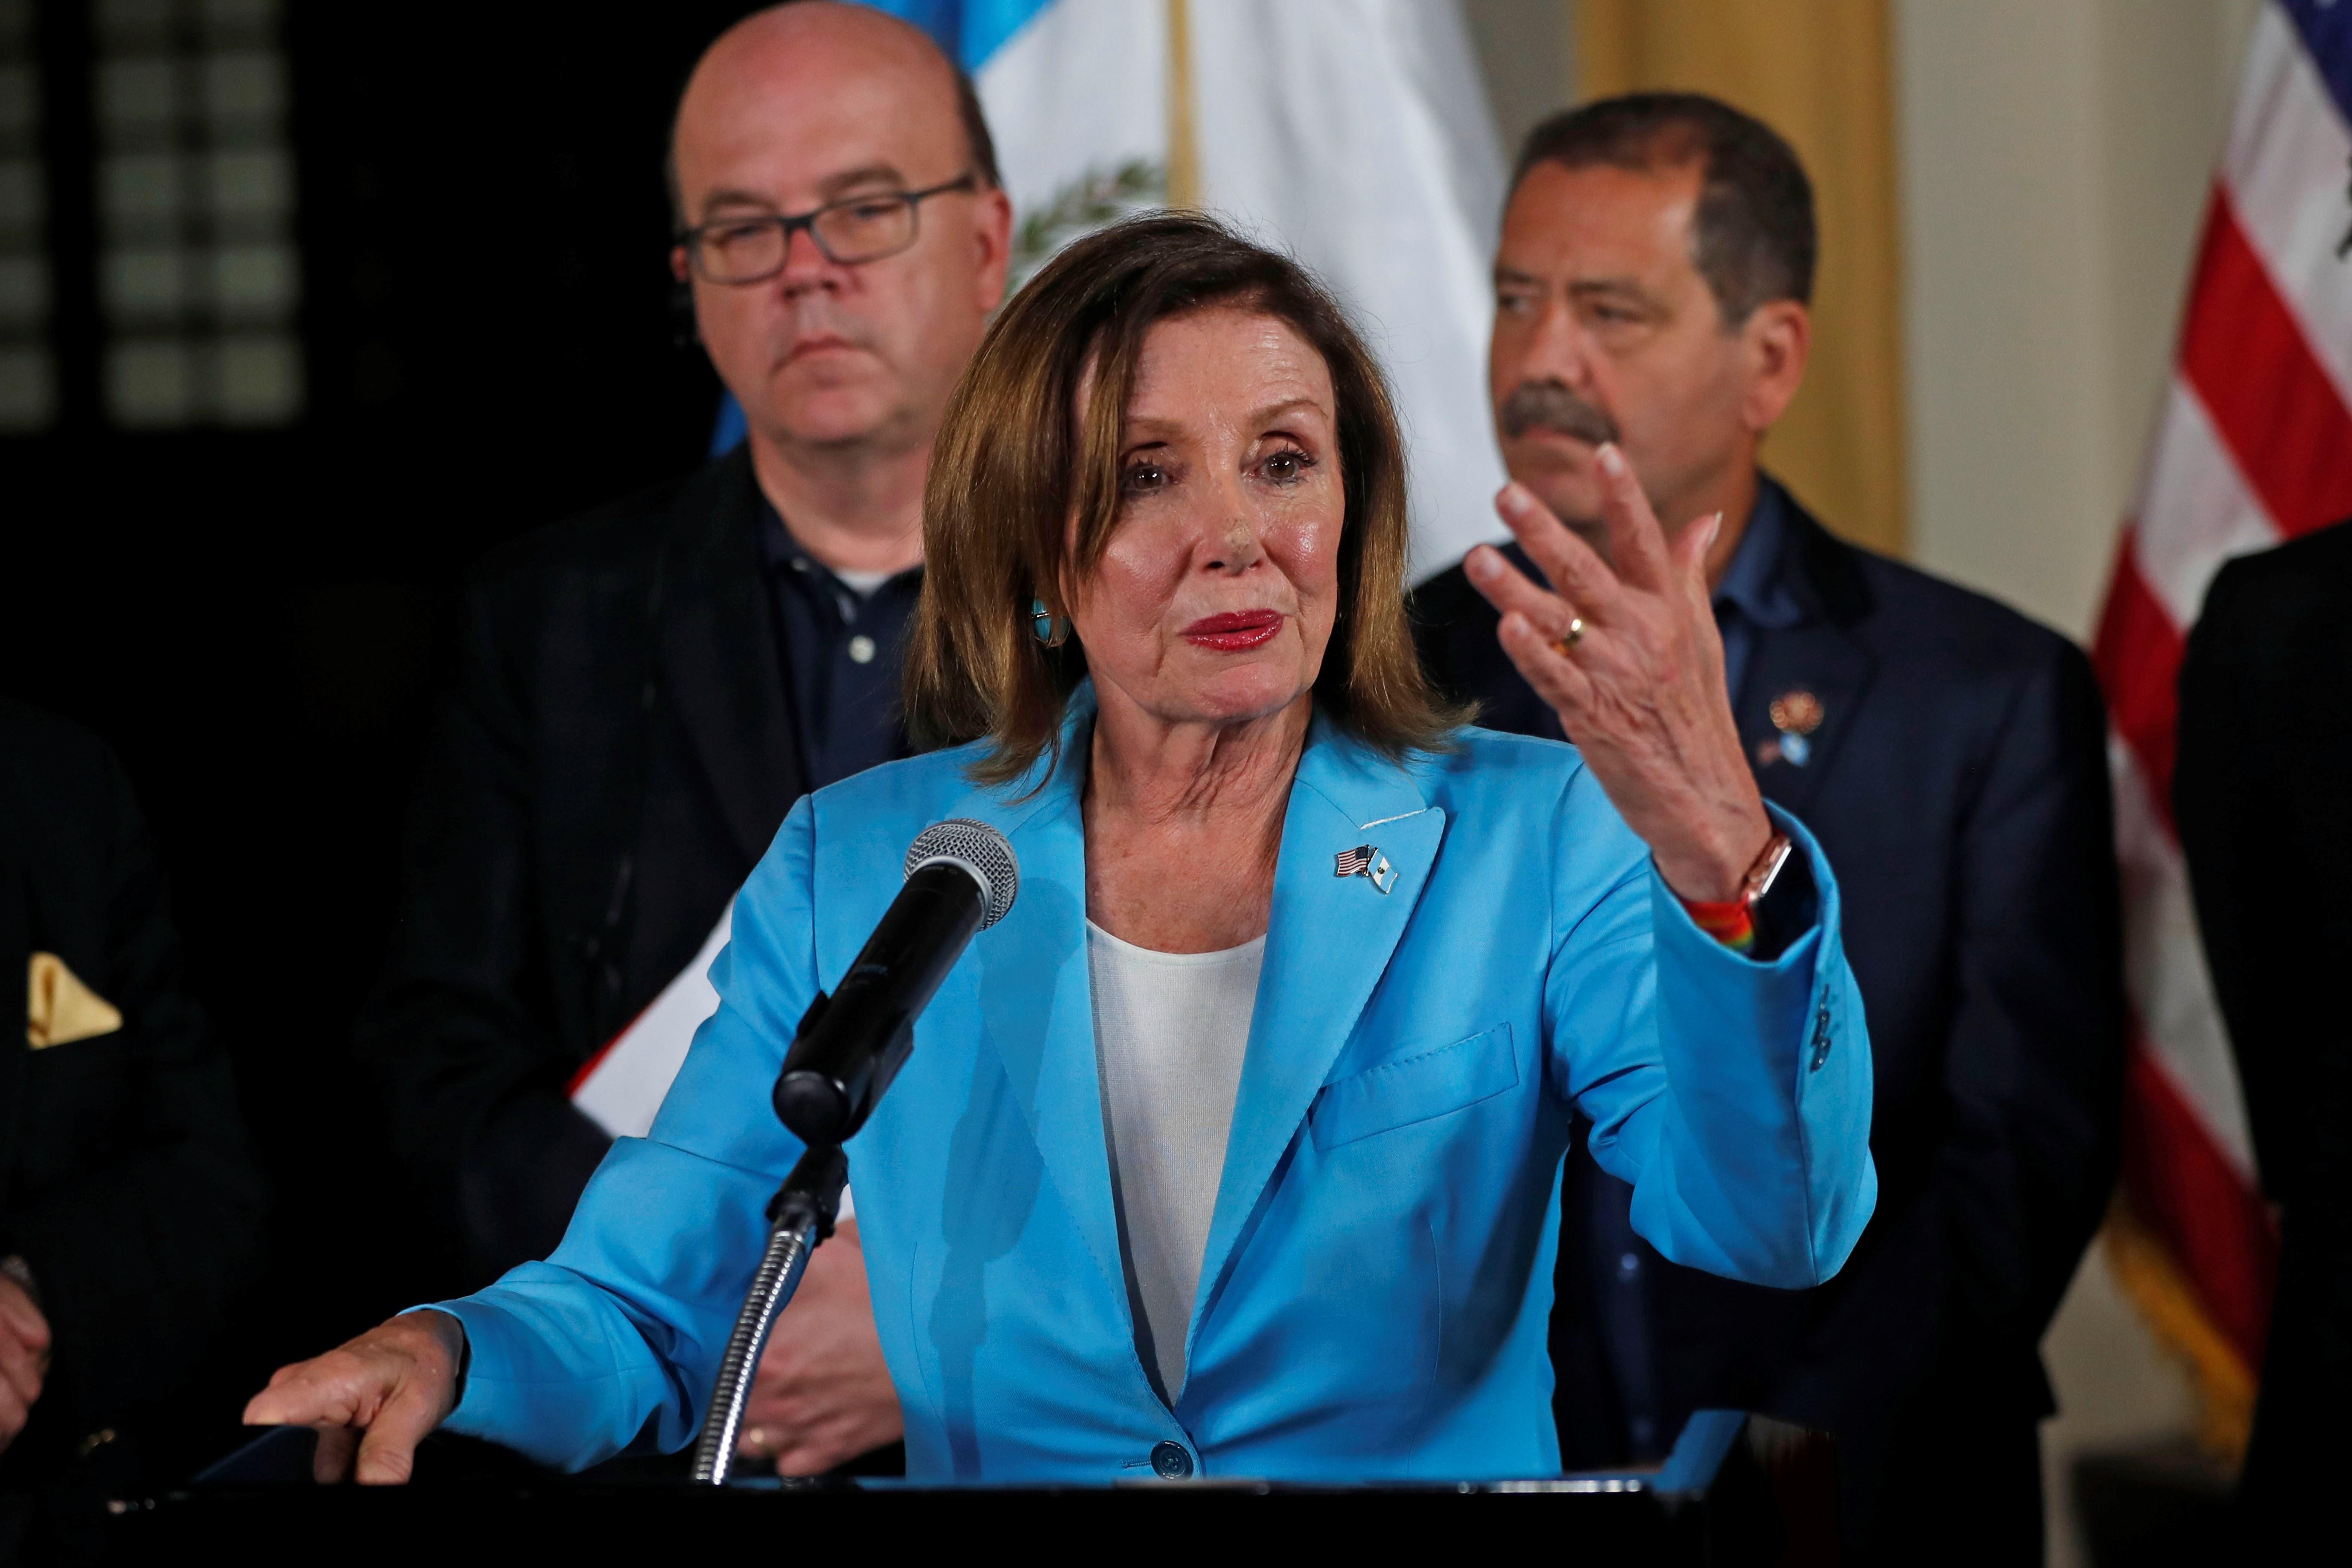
<point>1627,653</point>
<point>373,1399</point>
<point>823,1394</point>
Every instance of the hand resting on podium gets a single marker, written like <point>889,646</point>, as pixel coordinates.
<point>373,1399</point>
<point>823,1394</point>
<point>24,1357</point>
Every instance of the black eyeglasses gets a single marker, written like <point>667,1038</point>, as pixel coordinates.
<point>859,228</point>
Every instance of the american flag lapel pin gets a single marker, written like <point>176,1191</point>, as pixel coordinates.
<point>1365,860</point>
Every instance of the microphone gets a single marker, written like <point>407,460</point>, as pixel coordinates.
<point>962,877</point>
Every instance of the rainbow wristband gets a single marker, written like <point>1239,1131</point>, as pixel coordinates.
<point>1731,921</point>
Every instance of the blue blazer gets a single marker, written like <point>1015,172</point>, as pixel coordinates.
<point>1373,1297</point>
<point>1958,780</point>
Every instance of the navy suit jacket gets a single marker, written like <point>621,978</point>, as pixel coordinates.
<point>127,1181</point>
<point>617,752</point>
<point>2266,768</point>
<point>1956,782</point>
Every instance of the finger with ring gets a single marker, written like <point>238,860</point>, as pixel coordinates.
<point>1560,644</point>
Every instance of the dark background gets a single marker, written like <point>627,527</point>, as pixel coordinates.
<point>255,620</point>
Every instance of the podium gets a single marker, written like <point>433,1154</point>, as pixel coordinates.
<point>1733,1490</point>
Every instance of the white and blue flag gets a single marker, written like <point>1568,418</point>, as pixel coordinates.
<point>1353,133</point>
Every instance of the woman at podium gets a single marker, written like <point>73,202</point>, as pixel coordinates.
<point>1234,1148</point>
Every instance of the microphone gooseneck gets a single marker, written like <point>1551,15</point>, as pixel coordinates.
<point>961,877</point>
<point>800,1215</point>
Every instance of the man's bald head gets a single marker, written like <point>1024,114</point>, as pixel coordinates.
<point>798,108</point>
<point>861,33</point>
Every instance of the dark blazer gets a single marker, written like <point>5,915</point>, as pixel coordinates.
<point>2262,791</point>
<point>615,758</point>
<point>1957,782</point>
<point>127,1182</point>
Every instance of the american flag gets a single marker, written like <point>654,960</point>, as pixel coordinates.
<point>2253,446</point>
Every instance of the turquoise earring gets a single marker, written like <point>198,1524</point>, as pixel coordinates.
<point>1050,632</point>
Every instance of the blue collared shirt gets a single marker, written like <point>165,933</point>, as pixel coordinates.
<point>1752,599</point>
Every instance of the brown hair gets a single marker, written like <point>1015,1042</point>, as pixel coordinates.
<point>1013,464</point>
<point>1753,234</point>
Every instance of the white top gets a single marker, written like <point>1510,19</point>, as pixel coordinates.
<point>1171,1029</point>
<point>861,584</point>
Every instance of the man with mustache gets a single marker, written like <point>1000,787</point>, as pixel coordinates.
<point>1652,287</point>
<point>646,689</point>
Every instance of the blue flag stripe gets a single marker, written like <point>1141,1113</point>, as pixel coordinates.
<point>2325,27</point>
<point>727,430</point>
<point>969,31</point>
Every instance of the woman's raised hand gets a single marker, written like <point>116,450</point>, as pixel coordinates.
<point>373,1398</point>
<point>1627,653</point>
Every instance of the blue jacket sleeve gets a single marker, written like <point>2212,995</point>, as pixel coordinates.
<point>1734,1094</point>
<point>625,1324</point>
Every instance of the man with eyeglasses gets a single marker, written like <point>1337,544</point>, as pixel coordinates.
<point>646,689</point>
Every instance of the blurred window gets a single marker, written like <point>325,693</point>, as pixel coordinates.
<point>28,376</point>
<point>199,280</point>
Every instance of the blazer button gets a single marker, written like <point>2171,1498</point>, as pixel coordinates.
<point>1169,1462</point>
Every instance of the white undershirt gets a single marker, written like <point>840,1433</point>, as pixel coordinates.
<point>1171,1029</point>
<point>861,584</point>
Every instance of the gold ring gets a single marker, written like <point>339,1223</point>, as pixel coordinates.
<point>1575,635</point>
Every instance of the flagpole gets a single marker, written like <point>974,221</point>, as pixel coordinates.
<point>1184,149</point>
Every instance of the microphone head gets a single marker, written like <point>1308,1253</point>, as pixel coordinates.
<point>979,849</point>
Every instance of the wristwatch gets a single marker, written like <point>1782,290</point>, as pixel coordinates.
<point>1766,870</point>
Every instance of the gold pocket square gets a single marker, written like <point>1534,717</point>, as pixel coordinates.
<point>60,1009</point>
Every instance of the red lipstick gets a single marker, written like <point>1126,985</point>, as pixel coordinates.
<point>1235,631</point>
